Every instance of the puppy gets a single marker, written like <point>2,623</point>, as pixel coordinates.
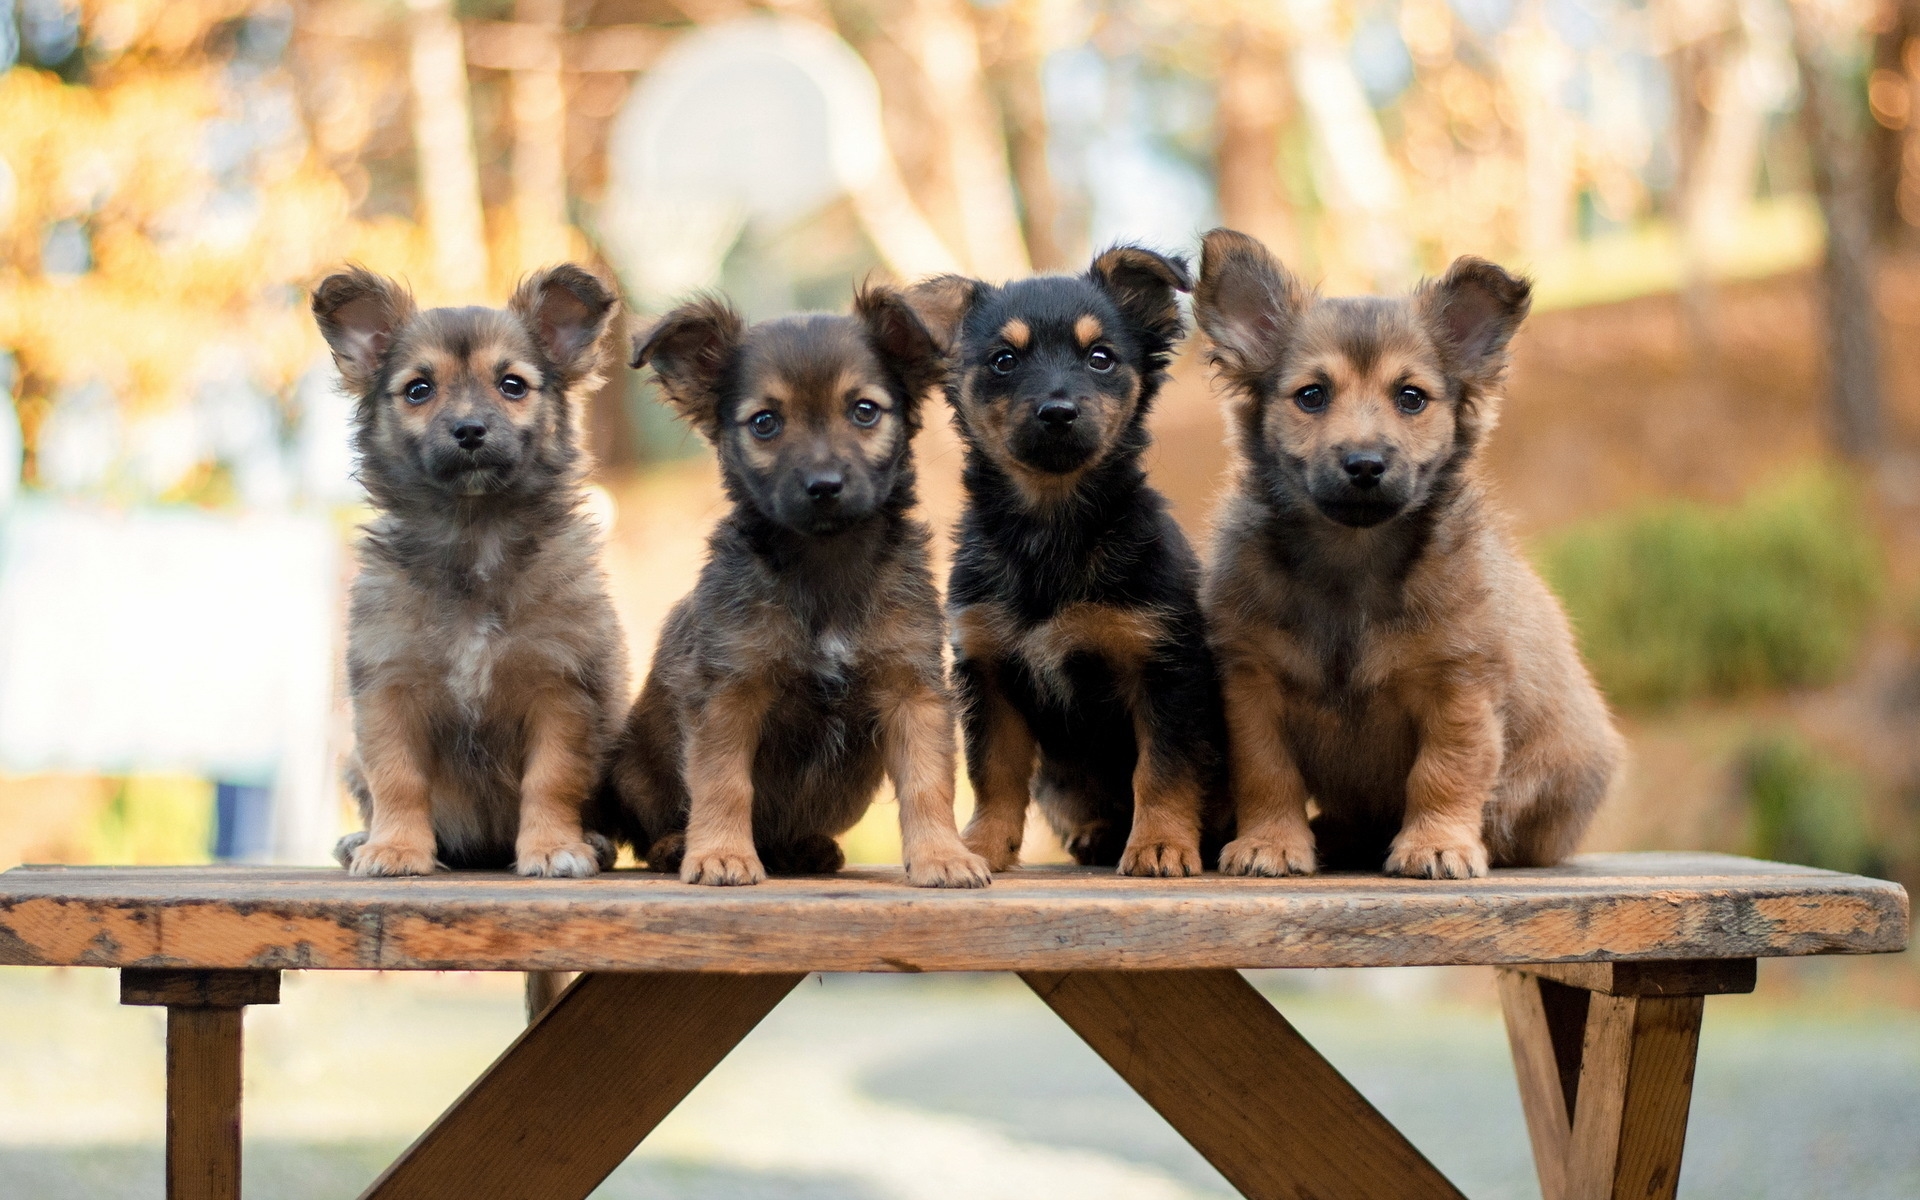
<point>483,657</point>
<point>1386,651</point>
<point>1073,603</point>
<point>806,662</point>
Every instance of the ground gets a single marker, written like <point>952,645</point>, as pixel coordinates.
<point>919,1088</point>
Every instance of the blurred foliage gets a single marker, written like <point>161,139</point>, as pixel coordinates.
<point>1805,807</point>
<point>161,819</point>
<point>1681,600</point>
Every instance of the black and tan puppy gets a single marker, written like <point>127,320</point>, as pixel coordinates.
<point>1073,602</point>
<point>483,658</point>
<point>1386,651</point>
<point>806,662</point>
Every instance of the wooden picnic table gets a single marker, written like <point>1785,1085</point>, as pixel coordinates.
<point>1604,964</point>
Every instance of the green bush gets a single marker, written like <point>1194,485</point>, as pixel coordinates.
<point>1680,600</point>
<point>1805,808</point>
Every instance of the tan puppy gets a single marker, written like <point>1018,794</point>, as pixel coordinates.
<point>483,657</point>
<point>1387,653</point>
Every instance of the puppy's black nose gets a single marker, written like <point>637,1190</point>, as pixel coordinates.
<point>1057,414</point>
<point>469,434</point>
<point>826,485</point>
<point>1364,467</point>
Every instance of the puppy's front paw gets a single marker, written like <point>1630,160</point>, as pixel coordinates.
<point>344,848</point>
<point>392,858</point>
<point>951,867</point>
<point>1163,859</point>
<point>1268,856</point>
<point>605,853</point>
<point>999,851</point>
<point>559,860</point>
<point>1425,855</point>
<point>722,868</point>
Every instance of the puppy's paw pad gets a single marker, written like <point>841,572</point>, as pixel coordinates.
<point>1421,859</point>
<point>343,850</point>
<point>392,858</point>
<point>955,868</point>
<point>1164,860</point>
<point>723,869</point>
<point>568,860</point>
<point>1000,852</point>
<point>1271,857</point>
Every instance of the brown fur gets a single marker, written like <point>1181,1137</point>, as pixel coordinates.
<point>484,661</point>
<point>806,664</point>
<point>1387,654</point>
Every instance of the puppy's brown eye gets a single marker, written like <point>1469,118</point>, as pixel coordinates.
<point>1411,400</point>
<point>1004,362</point>
<point>513,387</point>
<point>764,425</point>
<point>1312,398</point>
<point>865,413</point>
<point>1100,358</point>
<point>419,392</point>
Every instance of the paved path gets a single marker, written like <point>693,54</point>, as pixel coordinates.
<point>916,1089</point>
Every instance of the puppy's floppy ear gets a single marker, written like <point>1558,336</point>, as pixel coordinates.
<point>1473,311</point>
<point>1142,283</point>
<point>942,304</point>
<point>358,313</point>
<point>900,338</point>
<point>566,309</point>
<point>689,349</point>
<point>1247,303</point>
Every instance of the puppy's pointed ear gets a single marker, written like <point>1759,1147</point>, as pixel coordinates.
<point>1246,303</point>
<point>359,313</point>
<point>902,340</point>
<point>942,304</point>
<point>1473,311</point>
<point>1144,284</point>
<point>689,350</point>
<point>567,309</point>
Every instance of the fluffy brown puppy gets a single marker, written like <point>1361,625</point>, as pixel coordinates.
<point>806,662</point>
<point>483,658</point>
<point>1386,651</point>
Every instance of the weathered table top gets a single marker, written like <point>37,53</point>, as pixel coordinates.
<point>1609,907</point>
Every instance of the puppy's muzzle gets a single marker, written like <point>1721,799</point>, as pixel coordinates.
<point>1364,468</point>
<point>824,487</point>
<point>470,434</point>
<point>1057,414</point>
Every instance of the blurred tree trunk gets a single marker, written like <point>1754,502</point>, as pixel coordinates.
<point>539,141</point>
<point>940,38</point>
<point>1253,107</point>
<point>449,176</point>
<point>1016,55</point>
<point>1829,116</point>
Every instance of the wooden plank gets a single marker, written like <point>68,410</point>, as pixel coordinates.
<point>1636,1085</point>
<point>1721,977</point>
<point>203,1103</point>
<point>543,988</point>
<point>575,1093</point>
<point>1602,908</point>
<point>198,988</point>
<point>1546,1024</point>
<point>1239,1082</point>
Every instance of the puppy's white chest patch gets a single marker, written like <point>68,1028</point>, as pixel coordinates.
<point>475,649</point>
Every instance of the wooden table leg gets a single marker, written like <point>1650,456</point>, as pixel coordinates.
<point>203,1070</point>
<point>574,1094</point>
<point>1237,1080</point>
<point>543,988</point>
<point>1605,1057</point>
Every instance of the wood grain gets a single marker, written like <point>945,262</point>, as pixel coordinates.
<point>1240,1083</point>
<point>198,988</point>
<point>1721,977</point>
<point>1595,908</point>
<point>1546,1025</point>
<point>1636,1085</point>
<point>203,1103</point>
<point>575,1093</point>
